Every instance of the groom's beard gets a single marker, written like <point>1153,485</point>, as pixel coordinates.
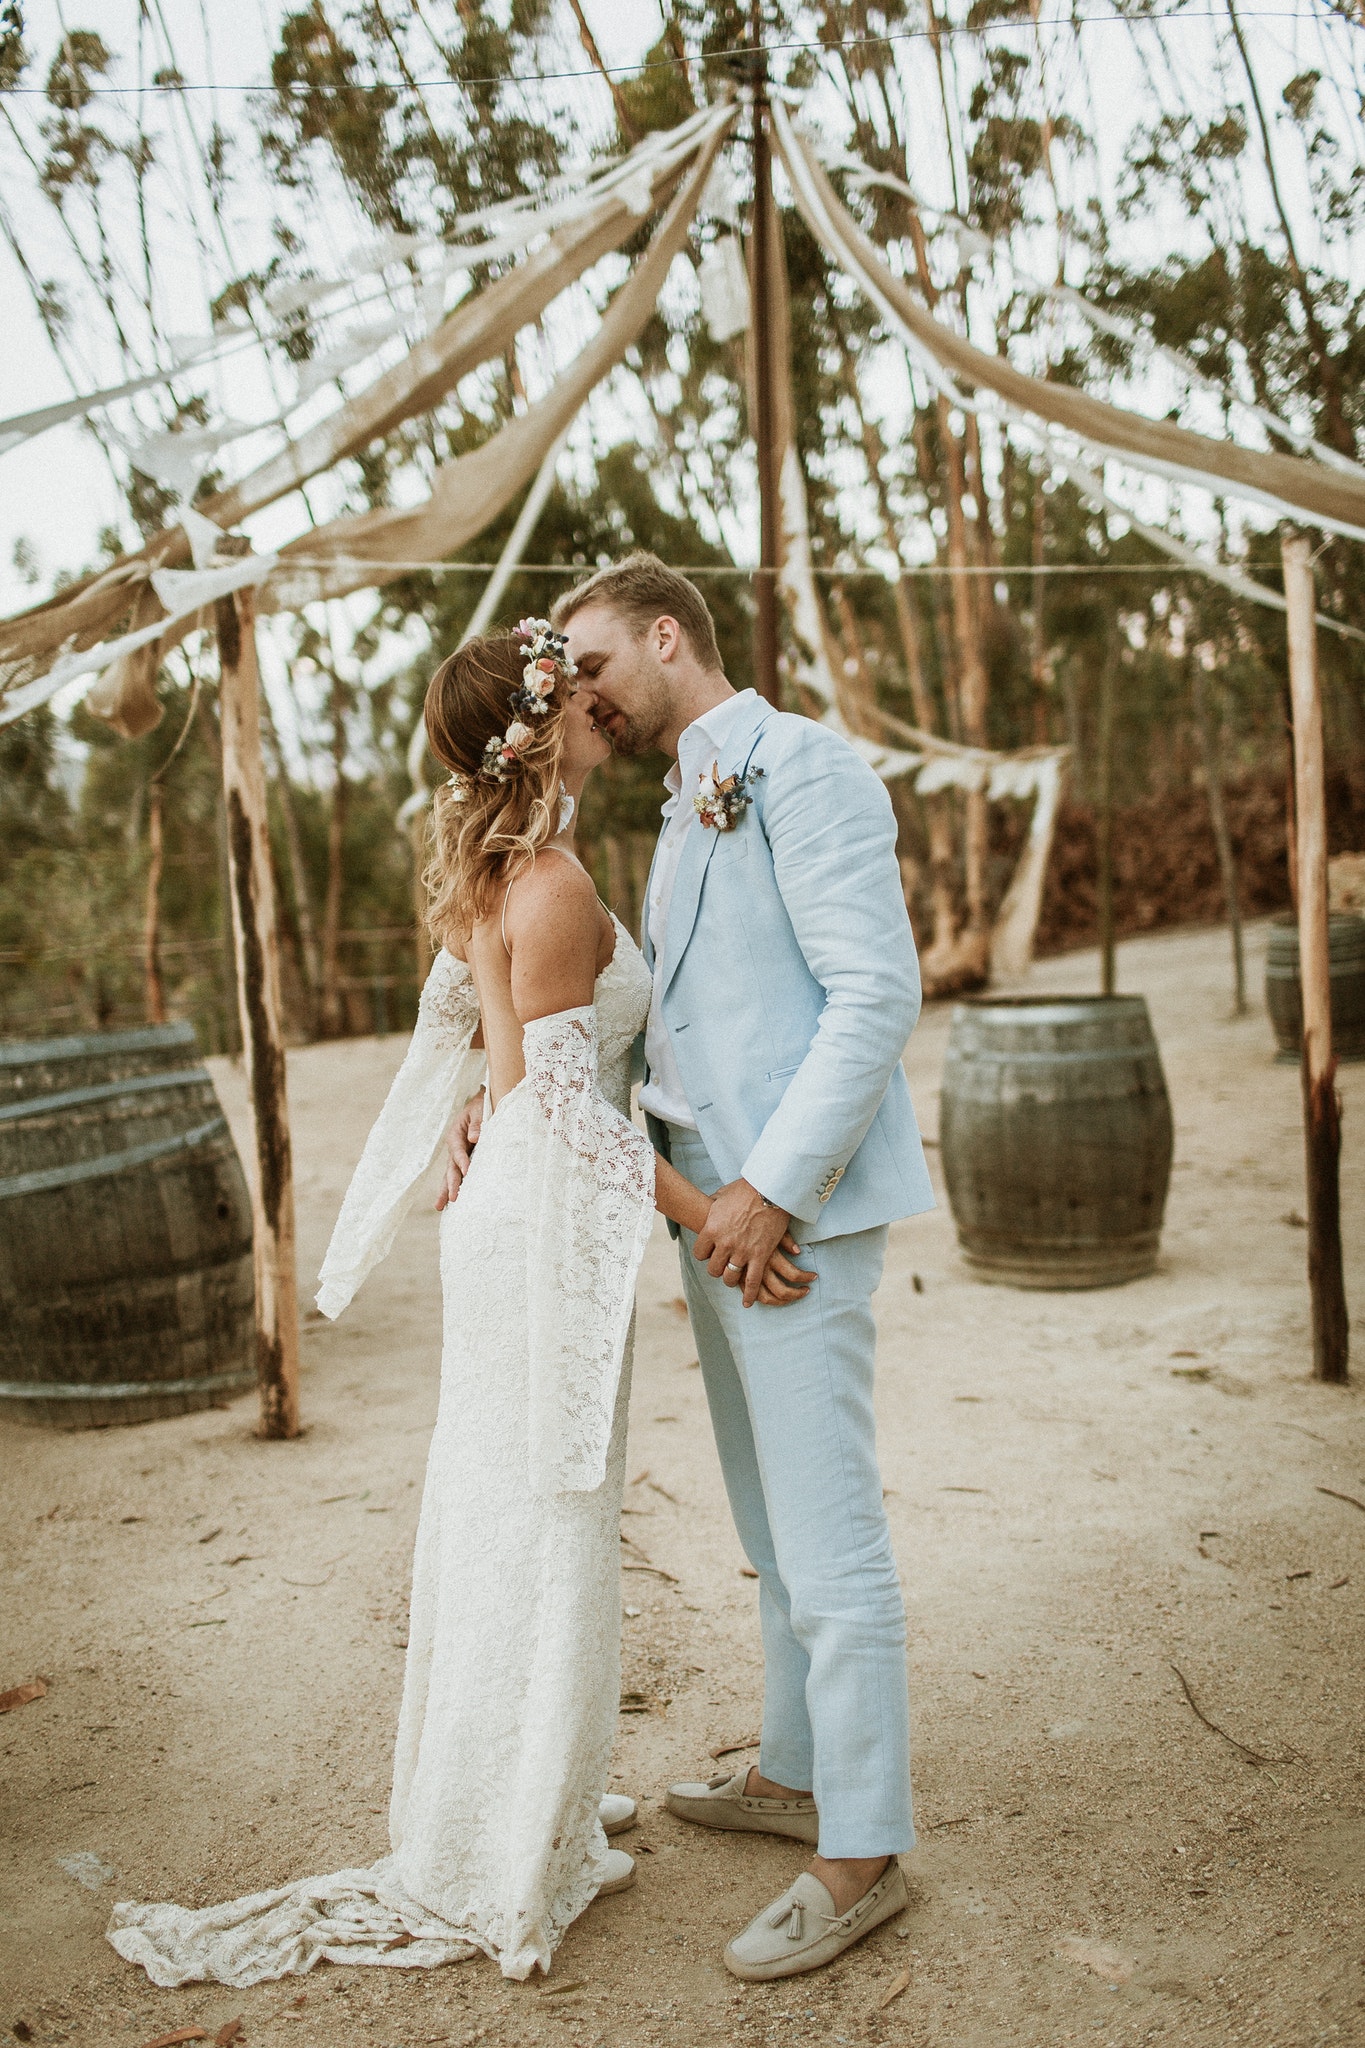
<point>631,735</point>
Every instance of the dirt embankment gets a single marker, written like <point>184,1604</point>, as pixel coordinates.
<point>1165,861</point>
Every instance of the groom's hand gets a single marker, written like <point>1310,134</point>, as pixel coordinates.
<point>739,1237</point>
<point>461,1139</point>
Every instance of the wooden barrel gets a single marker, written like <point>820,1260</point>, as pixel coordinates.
<point>1055,1129</point>
<point>126,1287</point>
<point>1284,994</point>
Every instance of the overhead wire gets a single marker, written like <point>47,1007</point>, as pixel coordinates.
<point>947,31</point>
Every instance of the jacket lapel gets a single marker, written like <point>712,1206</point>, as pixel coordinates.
<point>700,844</point>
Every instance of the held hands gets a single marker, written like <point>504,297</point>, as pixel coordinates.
<point>747,1244</point>
<point>461,1139</point>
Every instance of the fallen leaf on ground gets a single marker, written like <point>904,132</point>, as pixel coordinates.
<point>746,1571</point>
<point>894,1990</point>
<point>563,1990</point>
<point>1109,1963</point>
<point>226,2036</point>
<point>20,1695</point>
<point>180,2034</point>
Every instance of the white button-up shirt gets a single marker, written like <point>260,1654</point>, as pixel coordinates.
<point>701,743</point>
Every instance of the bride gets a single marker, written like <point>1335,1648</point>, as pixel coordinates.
<point>510,1693</point>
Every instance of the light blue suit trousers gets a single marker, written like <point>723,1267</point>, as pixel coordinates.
<point>790,1393</point>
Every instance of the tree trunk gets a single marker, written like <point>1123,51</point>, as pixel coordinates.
<point>1321,1109</point>
<point>151,924</point>
<point>973,687</point>
<point>857,697</point>
<point>333,1014</point>
<point>937,809</point>
<point>1104,820</point>
<point>258,985</point>
<point>1222,838</point>
<point>1038,633</point>
<point>298,868</point>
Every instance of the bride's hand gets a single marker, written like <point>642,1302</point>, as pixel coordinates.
<point>461,1139</point>
<point>784,1281</point>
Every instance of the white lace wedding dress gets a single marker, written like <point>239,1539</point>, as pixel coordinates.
<point>511,1690</point>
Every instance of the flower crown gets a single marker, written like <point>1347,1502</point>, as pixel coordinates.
<point>547,658</point>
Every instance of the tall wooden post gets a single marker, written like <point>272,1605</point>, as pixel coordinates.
<point>1321,1111</point>
<point>258,993</point>
<point>765,595</point>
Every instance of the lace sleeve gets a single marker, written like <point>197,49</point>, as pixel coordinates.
<point>438,1073</point>
<point>591,1194</point>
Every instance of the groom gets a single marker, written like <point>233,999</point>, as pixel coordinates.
<point>785,987</point>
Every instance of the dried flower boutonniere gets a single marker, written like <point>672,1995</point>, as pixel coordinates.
<point>720,802</point>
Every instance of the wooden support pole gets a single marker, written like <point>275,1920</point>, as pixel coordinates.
<point>1321,1109</point>
<point>258,992</point>
<point>764,423</point>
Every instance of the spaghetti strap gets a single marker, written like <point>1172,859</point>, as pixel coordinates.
<point>502,923</point>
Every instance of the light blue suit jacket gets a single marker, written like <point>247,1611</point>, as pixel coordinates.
<point>791,984</point>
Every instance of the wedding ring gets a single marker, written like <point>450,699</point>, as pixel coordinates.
<point>731,1267</point>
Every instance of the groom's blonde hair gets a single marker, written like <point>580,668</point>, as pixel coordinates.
<point>641,589</point>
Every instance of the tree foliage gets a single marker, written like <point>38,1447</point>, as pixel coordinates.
<point>1226,233</point>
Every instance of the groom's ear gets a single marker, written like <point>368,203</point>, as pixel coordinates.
<point>667,635</point>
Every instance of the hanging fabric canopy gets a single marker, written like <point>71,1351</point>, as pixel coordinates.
<point>119,623</point>
<point>1290,484</point>
<point>81,616</point>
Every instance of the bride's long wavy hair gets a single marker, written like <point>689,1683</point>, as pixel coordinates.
<point>482,827</point>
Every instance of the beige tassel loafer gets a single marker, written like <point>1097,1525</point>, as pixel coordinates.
<point>801,1930</point>
<point>616,1813</point>
<point>724,1803</point>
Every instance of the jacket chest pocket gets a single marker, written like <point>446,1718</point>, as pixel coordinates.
<point>730,847</point>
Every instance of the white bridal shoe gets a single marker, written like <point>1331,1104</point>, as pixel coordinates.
<point>616,1813</point>
<point>620,1873</point>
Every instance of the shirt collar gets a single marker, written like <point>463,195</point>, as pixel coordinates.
<point>708,731</point>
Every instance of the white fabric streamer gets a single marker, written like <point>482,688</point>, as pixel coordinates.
<point>439,1072</point>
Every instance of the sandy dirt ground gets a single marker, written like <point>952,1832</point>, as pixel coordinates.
<point>1086,1491</point>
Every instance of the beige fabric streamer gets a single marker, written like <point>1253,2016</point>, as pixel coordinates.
<point>1294,482</point>
<point>469,492</point>
<point>85,612</point>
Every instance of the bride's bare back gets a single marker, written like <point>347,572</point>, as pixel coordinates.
<point>542,953</point>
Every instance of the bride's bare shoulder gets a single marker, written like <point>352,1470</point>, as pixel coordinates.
<point>550,890</point>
